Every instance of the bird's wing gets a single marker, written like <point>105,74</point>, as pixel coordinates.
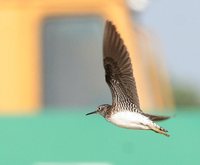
<point>118,68</point>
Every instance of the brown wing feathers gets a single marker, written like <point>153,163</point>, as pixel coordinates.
<point>117,64</point>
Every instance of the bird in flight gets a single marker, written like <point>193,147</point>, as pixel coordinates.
<point>125,110</point>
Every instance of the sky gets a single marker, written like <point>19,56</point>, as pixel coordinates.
<point>177,25</point>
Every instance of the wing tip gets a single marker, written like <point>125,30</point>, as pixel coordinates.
<point>109,24</point>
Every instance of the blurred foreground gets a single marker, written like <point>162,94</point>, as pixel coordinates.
<point>63,138</point>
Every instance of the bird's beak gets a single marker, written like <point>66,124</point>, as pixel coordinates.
<point>91,113</point>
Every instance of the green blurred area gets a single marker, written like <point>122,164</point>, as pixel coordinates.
<point>70,137</point>
<point>185,94</point>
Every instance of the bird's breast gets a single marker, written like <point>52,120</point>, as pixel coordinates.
<point>131,120</point>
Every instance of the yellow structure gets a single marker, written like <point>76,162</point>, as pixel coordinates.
<point>20,55</point>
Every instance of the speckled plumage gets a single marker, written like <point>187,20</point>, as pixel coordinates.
<point>125,110</point>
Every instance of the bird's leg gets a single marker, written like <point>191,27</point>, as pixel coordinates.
<point>158,130</point>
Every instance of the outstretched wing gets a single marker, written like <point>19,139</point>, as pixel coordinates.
<point>118,68</point>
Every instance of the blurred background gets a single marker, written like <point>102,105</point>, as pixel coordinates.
<point>52,74</point>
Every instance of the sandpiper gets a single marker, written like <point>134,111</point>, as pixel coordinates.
<point>125,109</point>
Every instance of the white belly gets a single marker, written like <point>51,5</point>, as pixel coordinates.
<point>131,120</point>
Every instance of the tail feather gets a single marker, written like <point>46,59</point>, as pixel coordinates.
<point>156,118</point>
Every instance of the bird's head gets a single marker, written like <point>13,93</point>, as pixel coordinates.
<point>100,110</point>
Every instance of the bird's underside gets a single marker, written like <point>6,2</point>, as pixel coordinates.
<point>125,109</point>
<point>136,121</point>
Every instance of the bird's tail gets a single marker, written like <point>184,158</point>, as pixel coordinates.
<point>156,128</point>
<point>156,118</point>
